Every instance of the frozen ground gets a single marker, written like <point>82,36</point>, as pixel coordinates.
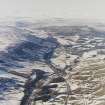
<point>27,45</point>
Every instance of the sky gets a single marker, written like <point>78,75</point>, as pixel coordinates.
<point>91,9</point>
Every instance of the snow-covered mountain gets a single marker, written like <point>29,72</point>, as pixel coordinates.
<point>27,45</point>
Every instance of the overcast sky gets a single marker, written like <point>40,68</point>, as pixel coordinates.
<point>93,9</point>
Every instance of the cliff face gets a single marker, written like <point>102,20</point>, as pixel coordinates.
<point>71,58</point>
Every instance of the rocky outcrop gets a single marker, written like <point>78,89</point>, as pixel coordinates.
<point>39,87</point>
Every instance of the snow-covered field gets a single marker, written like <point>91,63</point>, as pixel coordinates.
<point>27,45</point>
